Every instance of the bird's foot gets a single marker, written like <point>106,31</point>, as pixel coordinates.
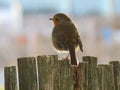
<point>66,58</point>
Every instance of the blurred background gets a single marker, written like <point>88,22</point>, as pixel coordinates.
<point>26,31</point>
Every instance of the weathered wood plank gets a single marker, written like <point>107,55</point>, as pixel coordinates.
<point>65,76</point>
<point>92,72</point>
<point>100,75</point>
<point>107,80</point>
<point>10,78</point>
<point>116,72</point>
<point>81,76</point>
<point>27,73</point>
<point>46,70</point>
<point>54,74</point>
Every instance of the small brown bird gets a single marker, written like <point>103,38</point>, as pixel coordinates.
<point>65,36</point>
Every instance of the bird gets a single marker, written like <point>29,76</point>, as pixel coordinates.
<point>65,37</point>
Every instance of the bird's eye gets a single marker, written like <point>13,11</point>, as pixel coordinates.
<point>56,19</point>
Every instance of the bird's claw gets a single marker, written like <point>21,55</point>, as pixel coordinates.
<point>66,58</point>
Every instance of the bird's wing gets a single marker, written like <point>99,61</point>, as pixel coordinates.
<point>79,41</point>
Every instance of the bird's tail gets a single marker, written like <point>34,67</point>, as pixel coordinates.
<point>80,44</point>
<point>72,56</point>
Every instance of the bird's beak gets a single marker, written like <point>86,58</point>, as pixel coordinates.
<point>50,18</point>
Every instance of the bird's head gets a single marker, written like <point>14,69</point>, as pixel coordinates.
<point>60,18</point>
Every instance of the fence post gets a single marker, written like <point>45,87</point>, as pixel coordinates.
<point>81,76</point>
<point>46,70</point>
<point>27,73</point>
<point>92,72</point>
<point>99,72</point>
<point>66,76</point>
<point>107,80</point>
<point>10,78</point>
<point>116,72</point>
<point>54,74</point>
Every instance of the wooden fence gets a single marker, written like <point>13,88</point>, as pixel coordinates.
<point>47,73</point>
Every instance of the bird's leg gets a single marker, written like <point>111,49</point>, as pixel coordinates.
<point>66,58</point>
